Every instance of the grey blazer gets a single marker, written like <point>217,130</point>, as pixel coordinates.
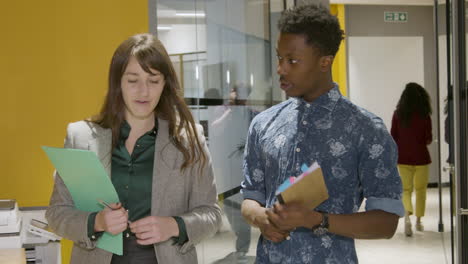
<point>190,195</point>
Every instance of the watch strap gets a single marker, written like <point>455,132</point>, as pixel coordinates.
<point>322,228</point>
<point>324,223</point>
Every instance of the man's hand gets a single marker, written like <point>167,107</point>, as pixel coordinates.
<point>374,224</point>
<point>268,230</point>
<point>288,217</point>
<point>154,229</point>
<point>113,220</point>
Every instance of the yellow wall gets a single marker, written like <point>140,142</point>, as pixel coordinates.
<point>54,61</point>
<point>339,65</point>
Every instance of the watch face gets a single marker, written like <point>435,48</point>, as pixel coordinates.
<point>320,231</point>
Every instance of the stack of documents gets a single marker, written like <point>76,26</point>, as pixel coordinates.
<point>10,224</point>
<point>10,221</point>
<point>308,189</point>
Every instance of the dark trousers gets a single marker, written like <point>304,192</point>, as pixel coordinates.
<point>134,253</point>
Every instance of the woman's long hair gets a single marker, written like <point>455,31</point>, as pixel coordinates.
<point>151,54</point>
<point>414,99</point>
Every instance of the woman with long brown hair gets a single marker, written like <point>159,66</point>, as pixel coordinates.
<point>412,131</point>
<point>158,161</point>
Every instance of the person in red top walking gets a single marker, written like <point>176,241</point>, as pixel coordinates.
<point>412,131</point>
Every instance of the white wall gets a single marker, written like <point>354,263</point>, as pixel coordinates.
<point>380,67</point>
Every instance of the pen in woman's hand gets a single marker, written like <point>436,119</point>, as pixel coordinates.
<point>108,206</point>
<point>105,204</point>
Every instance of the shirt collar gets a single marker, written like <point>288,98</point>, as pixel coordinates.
<point>125,130</point>
<point>327,100</point>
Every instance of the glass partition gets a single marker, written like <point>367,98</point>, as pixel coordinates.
<point>221,50</point>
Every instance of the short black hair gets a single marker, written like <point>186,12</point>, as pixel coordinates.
<point>321,29</point>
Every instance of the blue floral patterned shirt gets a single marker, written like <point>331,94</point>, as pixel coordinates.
<point>358,158</point>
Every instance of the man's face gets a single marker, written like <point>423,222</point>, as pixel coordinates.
<point>301,68</point>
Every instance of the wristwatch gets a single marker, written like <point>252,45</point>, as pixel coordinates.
<point>322,228</point>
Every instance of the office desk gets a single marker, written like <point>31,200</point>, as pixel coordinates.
<point>12,256</point>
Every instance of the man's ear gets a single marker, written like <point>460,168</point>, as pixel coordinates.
<point>326,63</point>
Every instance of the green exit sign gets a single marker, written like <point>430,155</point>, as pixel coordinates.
<point>401,17</point>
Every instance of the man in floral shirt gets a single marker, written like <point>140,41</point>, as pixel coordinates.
<point>317,124</point>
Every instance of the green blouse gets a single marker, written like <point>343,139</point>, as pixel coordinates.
<point>132,176</point>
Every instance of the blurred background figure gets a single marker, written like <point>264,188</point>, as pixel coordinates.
<point>237,96</point>
<point>412,131</point>
<point>229,115</point>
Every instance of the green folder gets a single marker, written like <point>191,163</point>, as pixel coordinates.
<point>87,181</point>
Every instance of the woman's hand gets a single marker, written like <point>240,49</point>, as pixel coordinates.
<point>113,220</point>
<point>154,229</point>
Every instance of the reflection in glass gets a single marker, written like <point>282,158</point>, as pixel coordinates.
<point>221,51</point>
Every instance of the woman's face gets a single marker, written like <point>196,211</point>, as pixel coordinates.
<point>141,91</point>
